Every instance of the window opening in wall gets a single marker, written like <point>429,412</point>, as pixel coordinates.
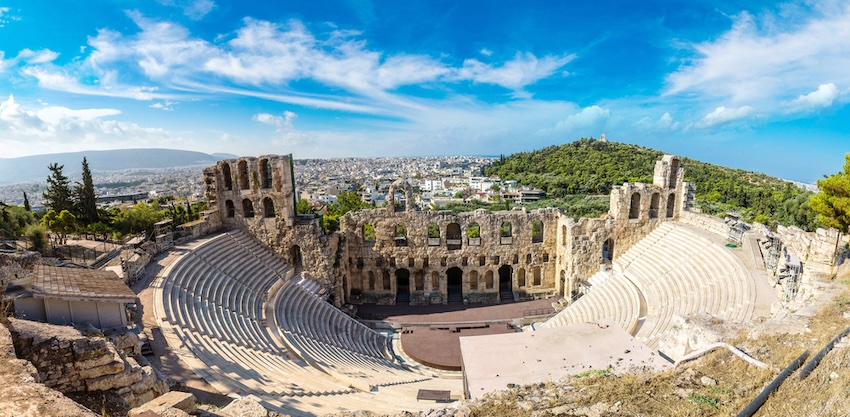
<point>473,280</point>
<point>563,282</point>
<point>295,259</point>
<point>505,233</point>
<point>608,250</point>
<point>482,260</point>
<point>453,236</point>
<point>653,205</point>
<point>520,277</point>
<point>400,235</point>
<point>463,261</point>
<point>433,234</point>
<point>535,274</point>
<point>506,291</point>
<point>228,177</point>
<point>268,207</point>
<point>435,281</point>
<point>371,280</point>
<point>671,205</point>
<point>443,261</point>
<point>265,173</point>
<point>368,234</point>
<point>392,262</point>
<point>516,259</point>
<point>228,206</point>
<point>528,258</point>
<point>402,280</point>
<point>488,280</point>
<point>564,237</point>
<point>247,208</point>
<point>634,206</point>
<point>454,285</point>
<point>419,281</point>
<point>425,262</point>
<point>243,175</point>
<point>410,262</point>
<point>674,173</point>
<point>545,257</point>
<point>386,280</point>
<point>473,234</point>
<point>495,260</point>
<point>536,231</point>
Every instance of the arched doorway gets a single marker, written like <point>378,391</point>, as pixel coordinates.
<point>506,291</point>
<point>608,250</point>
<point>402,281</point>
<point>295,258</point>
<point>454,285</point>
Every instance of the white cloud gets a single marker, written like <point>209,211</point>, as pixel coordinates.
<point>770,59</point>
<point>664,123</point>
<point>37,57</point>
<point>166,105</point>
<point>63,82</point>
<point>485,52</point>
<point>57,127</point>
<point>516,74</point>
<point>5,17</point>
<point>287,135</point>
<point>823,97</point>
<point>589,118</point>
<point>723,115</point>
<point>197,9</point>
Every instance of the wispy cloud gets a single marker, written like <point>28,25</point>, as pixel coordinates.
<point>823,97</point>
<point>525,69</point>
<point>723,115</point>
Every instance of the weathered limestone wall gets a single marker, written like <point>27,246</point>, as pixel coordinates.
<point>68,361</point>
<point>705,222</point>
<point>21,395</point>
<point>816,249</point>
<point>372,267</point>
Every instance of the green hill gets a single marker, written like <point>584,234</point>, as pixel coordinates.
<point>589,166</point>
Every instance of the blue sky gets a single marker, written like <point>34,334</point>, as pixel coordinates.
<point>749,84</point>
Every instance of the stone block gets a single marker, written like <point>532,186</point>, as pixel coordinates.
<point>182,401</point>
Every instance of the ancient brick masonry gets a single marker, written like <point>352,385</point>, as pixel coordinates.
<point>68,361</point>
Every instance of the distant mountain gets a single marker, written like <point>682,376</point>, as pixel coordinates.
<point>221,156</point>
<point>30,168</point>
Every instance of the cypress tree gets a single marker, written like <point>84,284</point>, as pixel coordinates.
<point>86,199</point>
<point>27,206</point>
<point>58,194</point>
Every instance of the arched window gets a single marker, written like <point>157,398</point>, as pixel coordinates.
<point>671,205</point>
<point>536,231</point>
<point>433,234</point>
<point>265,173</point>
<point>387,284</point>
<point>228,177</point>
<point>453,236</point>
<point>634,207</point>
<point>371,280</point>
<point>368,233</point>
<point>243,175</point>
<point>247,208</point>
<point>228,207</point>
<point>505,233</point>
<point>435,281</point>
<point>400,234</point>
<point>419,281</point>
<point>520,277</point>
<point>473,234</point>
<point>473,280</point>
<point>535,273</point>
<point>488,280</point>
<point>653,205</point>
<point>608,250</point>
<point>564,235</point>
<point>268,207</point>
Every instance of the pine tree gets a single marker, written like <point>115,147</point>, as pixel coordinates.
<point>58,195</point>
<point>27,206</point>
<point>86,199</point>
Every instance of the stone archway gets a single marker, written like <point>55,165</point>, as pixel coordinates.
<point>454,285</point>
<point>402,281</point>
<point>408,196</point>
<point>295,259</point>
<point>506,286</point>
<point>608,250</point>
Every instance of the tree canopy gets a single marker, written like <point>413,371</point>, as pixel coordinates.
<point>832,203</point>
<point>58,196</point>
<point>85,197</point>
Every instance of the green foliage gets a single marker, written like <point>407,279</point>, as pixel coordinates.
<point>139,218</point>
<point>832,203</point>
<point>14,219</point>
<point>346,201</point>
<point>368,232</point>
<point>473,230</point>
<point>703,399</point>
<point>505,229</point>
<point>433,230</point>
<point>594,372</point>
<point>587,167</point>
<point>37,236</point>
<point>400,230</point>
<point>27,205</point>
<point>58,196</point>
<point>304,207</point>
<point>63,223</point>
<point>86,201</point>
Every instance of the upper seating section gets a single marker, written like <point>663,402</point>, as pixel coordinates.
<point>615,298</point>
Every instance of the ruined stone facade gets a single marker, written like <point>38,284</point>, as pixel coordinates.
<point>401,254</point>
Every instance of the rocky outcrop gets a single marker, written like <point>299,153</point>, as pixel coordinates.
<point>21,395</point>
<point>69,361</point>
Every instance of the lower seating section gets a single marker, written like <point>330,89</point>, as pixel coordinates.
<point>675,271</point>
<point>615,298</point>
<point>211,308</point>
<point>325,335</point>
